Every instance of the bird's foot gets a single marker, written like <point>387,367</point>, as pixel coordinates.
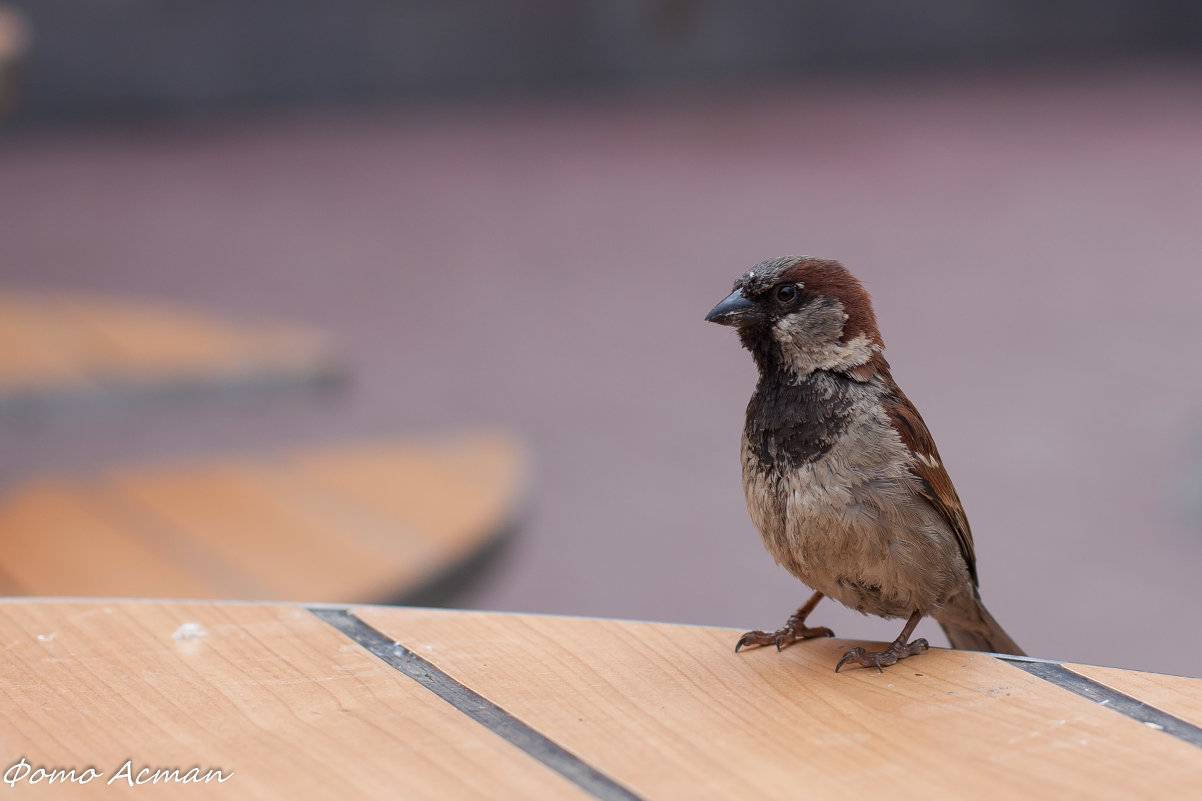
<point>793,631</point>
<point>881,659</point>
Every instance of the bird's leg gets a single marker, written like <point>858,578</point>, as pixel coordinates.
<point>795,629</point>
<point>898,649</point>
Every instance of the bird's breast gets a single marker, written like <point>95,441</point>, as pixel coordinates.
<point>797,422</point>
<point>828,487</point>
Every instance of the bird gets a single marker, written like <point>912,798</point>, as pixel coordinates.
<point>841,475</point>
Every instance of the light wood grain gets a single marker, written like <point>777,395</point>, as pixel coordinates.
<point>255,521</point>
<point>349,524</point>
<point>37,350</point>
<point>273,694</point>
<point>58,349</point>
<point>438,487</point>
<point>1179,696</point>
<point>120,337</point>
<point>296,710</point>
<point>63,539</point>
<point>673,712</point>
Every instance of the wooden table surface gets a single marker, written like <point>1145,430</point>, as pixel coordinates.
<point>370,522</point>
<point>62,351</point>
<point>285,701</point>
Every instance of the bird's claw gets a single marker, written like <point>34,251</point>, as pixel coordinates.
<point>752,638</point>
<point>882,659</point>
<point>783,637</point>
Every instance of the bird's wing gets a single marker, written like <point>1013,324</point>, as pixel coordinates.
<point>936,485</point>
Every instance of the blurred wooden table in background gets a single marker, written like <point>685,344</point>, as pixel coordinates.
<point>348,523</point>
<point>14,39</point>
<point>62,350</point>
<point>294,702</point>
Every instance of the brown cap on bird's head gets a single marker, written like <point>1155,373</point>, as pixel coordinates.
<point>814,308</point>
<point>831,279</point>
<point>814,278</point>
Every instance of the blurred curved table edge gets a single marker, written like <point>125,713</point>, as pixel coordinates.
<point>407,519</point>
<point>305,700</point>
<point>69,352</point>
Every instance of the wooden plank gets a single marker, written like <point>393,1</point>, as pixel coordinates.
<point>63,539</point>
<point>272,694</point>
<point>119,337</point>
<point>36,350</point>
<point>294,709</point>
<point>673,712</point>
<point>60,349</point>
<point>259,521</point>
<point>1177,695</point>
<point>396,516</point>
<point>440,487</point>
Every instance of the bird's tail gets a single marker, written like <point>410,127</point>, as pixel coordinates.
<point>970,627</point>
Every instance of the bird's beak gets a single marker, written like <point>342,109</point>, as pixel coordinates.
<point>735,310</point>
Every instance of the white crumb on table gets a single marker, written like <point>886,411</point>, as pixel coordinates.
<point>189,631</point>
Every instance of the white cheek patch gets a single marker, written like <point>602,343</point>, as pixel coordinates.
<point>805,357</point>
<point>809,339</point>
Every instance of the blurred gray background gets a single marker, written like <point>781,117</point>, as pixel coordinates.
<point>518,215</point>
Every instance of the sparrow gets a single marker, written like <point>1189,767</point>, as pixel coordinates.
<point>841,476</point>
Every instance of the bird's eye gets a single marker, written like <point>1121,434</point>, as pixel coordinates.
<point>786,294</point>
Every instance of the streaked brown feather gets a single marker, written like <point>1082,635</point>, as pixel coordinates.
<point>937,485</point>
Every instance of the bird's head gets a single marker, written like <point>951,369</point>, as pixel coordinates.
<point>799,314</point>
